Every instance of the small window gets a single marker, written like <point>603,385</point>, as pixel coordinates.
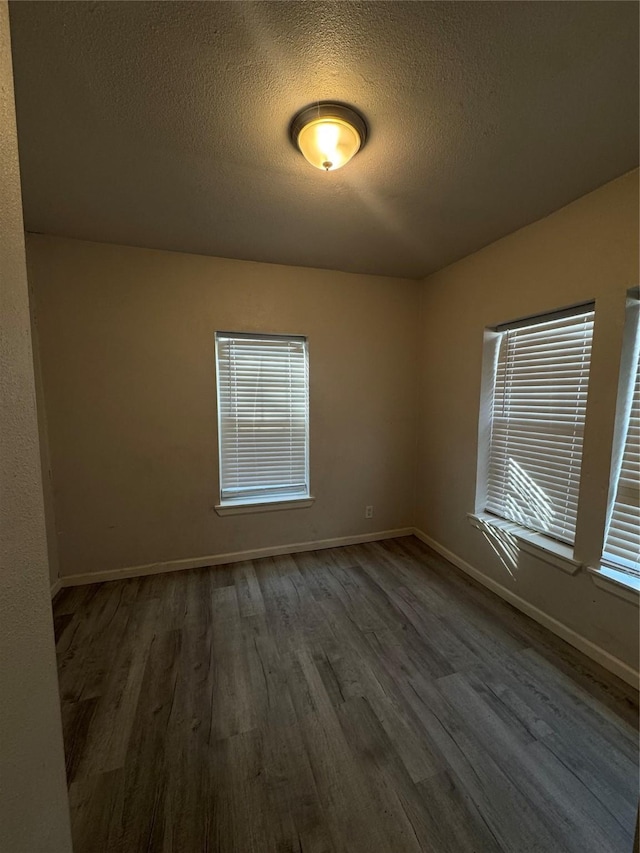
<point>540,380</point>
<point>622,541</point>
<point>263,418</point>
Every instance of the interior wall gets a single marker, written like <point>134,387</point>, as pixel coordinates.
<point>34,815</point>
<point>588,250</point>
<point>45,457</point>
<point>127,350</point>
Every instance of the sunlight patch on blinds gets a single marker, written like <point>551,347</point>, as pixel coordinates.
<point>538,414</point>
<point>263,417</point>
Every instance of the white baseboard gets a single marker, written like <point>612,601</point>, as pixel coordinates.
<point>56,586</point>
<point>587,647</point>
<point>233,557</point>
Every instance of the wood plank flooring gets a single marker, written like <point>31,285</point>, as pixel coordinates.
<point>367,699</point>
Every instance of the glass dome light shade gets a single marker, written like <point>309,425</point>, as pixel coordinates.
<point>328,142</point>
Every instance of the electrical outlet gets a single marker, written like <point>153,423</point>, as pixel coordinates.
<point>368,512</point>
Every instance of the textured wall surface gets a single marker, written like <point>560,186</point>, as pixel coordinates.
<point>45,461</point>
<point>588,250</point>
<point>127,349</point>
<point>33,798</point>
<point>165,124</point>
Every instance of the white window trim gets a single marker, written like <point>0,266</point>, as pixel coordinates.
<point>550,551</point>
<point>240,505</point>
<point>626,384</point>
<point>616,582</point>
<point>246,507</point>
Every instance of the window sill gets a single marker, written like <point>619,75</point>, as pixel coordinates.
<point>263,506</point>
<point>549,550</point>
<point>618,583</point>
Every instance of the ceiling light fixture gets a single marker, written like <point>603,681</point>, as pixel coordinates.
<point>328,135</point>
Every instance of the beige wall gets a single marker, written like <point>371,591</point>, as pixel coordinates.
<point>34,815</point>
<point>588,250</point>
<point>127,351</point>
<point>43,436</point>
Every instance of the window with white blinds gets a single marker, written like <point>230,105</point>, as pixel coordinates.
<point>263,417</point>
<point>622,542</point>
<point>538,413</point>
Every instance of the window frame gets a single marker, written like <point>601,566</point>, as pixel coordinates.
<point>615,570</point>
<point>257,502</point>
<point>553,550</point>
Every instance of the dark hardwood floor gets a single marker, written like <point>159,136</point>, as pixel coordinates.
<point>367,699</point>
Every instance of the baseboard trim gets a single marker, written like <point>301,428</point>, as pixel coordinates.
<point>232,557</point>
<point>587,647</point>
<point>56,586</point>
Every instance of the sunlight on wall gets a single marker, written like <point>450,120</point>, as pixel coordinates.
<point>502,540</point>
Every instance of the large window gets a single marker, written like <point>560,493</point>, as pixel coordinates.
<point>622,542</point>
<point>263,417</point>
<point>537,421</point>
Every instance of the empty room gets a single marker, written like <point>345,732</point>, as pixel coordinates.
<point>319,427</point>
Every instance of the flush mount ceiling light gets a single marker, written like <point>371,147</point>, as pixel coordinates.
<point>328,135</point>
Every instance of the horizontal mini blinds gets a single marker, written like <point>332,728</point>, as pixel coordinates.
<point>263,416</point>
<point>539,404</point>
<point>622,546</point>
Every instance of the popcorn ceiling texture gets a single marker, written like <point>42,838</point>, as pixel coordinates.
<point>33,799</point>
<point>164,125</point>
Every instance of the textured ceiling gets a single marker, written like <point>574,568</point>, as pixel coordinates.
<point>165,124</point>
